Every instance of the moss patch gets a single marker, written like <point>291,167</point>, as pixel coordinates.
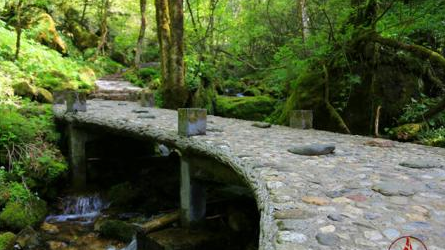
<point>118,230</point>
<point>255,108</point>
<point>7,241</point>
<point>17,216</point>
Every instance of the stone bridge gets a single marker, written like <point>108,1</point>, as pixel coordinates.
<point>363,196</point>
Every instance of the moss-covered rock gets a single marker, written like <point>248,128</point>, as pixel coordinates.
<point>7,241</point>
<point>118,230</point>
<point>25,89</point>
<point>255,108</point>
<point>17,216</point>
<point>83,39</point>
<point>44,30</point>
<point>407,132</point>
<point>44,96</point>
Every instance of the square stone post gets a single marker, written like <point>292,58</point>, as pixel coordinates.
<point>77,157</point>
<point>301,119</point>
<point>76,102</point>
<point>192,121</point>
<point>193,197</point>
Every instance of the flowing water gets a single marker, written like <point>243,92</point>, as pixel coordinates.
<point>75,225</point>
<point>82,209</point>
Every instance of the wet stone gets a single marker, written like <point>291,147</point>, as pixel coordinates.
<point>327,239</point>
<point>312,150</point>
<point>261,125</point>
<point>422,164</point>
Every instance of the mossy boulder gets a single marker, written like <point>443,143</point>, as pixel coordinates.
<point>116,229</point>
<point>25,89</point>
<point>17,215</point>
<point>7,241</point>
<point>44,30</point>
<point>255,108</point>
<point>407,132</point>
<point>83,39</point>
<point>44,96</point>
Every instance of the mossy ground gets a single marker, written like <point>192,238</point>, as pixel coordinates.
<point>255,108</point>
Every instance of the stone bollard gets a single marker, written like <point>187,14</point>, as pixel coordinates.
<point>147,99</point>
<point>192,121</point>
<point>302,119</point>
<point>76,102</point>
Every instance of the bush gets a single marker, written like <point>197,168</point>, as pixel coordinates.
<point>7,241</point>
<point>18,215</point>
<point>14,128</point>
<point>118,230</point>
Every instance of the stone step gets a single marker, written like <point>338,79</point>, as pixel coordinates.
<point>114,96</point>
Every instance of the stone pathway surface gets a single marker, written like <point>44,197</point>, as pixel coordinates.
<point>116,89</point>
<point>363,196</point>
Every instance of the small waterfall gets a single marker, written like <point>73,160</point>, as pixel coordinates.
<point>81,208</point>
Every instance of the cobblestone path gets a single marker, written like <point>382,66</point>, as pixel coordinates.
<point>363,196</point>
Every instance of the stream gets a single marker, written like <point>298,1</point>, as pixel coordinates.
<point>74,228</point>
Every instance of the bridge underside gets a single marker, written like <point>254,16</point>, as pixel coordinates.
<point>364,196</point>
<point>200,187</point>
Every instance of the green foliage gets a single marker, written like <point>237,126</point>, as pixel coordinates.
<point>14,128</point>
<point>28,150</point>
<point>7,241</point>
<point>417,108</point>
<point>144,77</point>
<point>17,215</point>
<point>249,108</point>
<point>433,137</point>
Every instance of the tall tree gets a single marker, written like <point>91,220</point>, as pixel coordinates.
<point>104,12</point>
<point>18,28</point>
<point>143,7</point>
<point>170,26</point>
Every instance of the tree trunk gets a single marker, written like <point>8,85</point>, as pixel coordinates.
<point>18,30</point>
<point>137,57</point>
<point>84,11</point>
<point>303,19</point>
<point>170,23</point>
<point>103,28</point>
